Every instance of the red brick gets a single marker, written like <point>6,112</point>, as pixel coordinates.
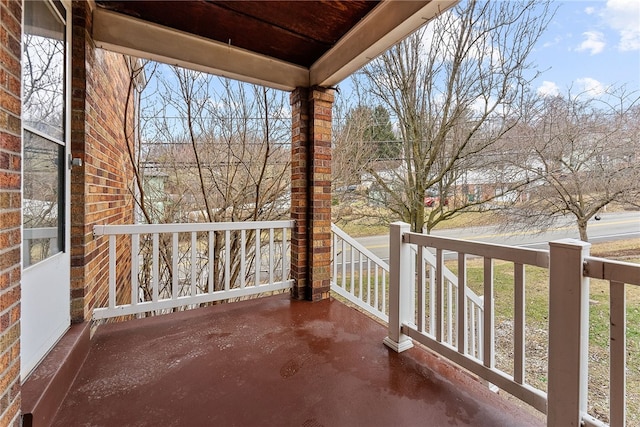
<point>311,134</point>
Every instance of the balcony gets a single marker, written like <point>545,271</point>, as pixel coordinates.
<point>276,361</point>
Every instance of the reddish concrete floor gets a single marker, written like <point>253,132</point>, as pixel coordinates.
<point>271,362</point>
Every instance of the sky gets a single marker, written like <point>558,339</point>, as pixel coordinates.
<point>590,45</point>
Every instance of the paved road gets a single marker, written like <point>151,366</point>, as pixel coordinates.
<point>612,226</point>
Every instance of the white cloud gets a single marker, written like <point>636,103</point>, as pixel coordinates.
<point>624,17</point>
<point>590,10</point>
<point>556,41</point>
<point>594,42</point>
<point>548,89</point>
<point>590,86</point>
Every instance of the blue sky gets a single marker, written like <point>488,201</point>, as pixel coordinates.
<point>590,44</point>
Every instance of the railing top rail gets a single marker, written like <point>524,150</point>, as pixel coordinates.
<point>617,271</point>
<point>535,257</point>
<point>373,257</point>
<point>100,230</point>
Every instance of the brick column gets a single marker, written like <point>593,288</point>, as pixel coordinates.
<point>311,192</point>
<point>100,192</point>
<point>10,204</point>
<point>299,191</point>
<point>79,232</point>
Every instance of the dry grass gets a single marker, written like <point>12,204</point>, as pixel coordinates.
<point>359,221</point>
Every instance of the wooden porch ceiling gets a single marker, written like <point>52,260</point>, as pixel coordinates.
<point>281,44</point>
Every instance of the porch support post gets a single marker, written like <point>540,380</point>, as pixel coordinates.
<point>311,192</point>
<point>568,333</point>
<point>400,279</point>
<point>10,210</point>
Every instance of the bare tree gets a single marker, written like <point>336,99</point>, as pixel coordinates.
<point>211,150</point>
<point>455,88</point>
<point>583,152</point>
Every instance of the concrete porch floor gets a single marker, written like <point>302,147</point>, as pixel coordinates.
<point>271,362</point>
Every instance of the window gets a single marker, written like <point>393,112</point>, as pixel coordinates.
<point>43,115</point>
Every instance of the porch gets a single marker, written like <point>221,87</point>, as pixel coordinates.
<point>271,361</point>
<point>274,360</point>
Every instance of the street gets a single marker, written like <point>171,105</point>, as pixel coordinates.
<point>612,226</point>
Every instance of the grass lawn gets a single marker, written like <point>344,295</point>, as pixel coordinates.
<point>377,223</point>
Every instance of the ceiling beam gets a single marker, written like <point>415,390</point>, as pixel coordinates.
<point>135,37</point>
<point>387,24</point>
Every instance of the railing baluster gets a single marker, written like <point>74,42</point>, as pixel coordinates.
<point>243,257</point>
<point>271,257</point>
<point>376,298</point>
<point>421,286</point>
<point>450,303</point>
<point>194,261</point>
<point>368,280</point>
<point>135,268</point>
<point>344,266</point>
<point>334,248</point>
<point>480,327</point>
<point>360,275</point>
<point>618,354</point>
<point>461,304</point>
<point>472,329</point>
<point>211,266</point>
<point>519,324</point>
<point>112,271</point>
<point>175,283</point>
<point>284,255</point>
<point>156,268</point>
<point>488,351</point>
<point>352,269</point>
<point>258,257</point>
<point>432,299</point>
<point>227,260</point>
<point>439,293</point>
<point>384,293</point>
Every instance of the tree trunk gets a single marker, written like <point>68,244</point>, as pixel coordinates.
<point>582,227</point>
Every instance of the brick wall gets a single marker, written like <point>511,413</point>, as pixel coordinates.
<point>100,189</point>
<point>311,192</point>
<point>10,201</point>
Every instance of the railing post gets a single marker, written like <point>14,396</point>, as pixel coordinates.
<point>568,333</point>
<point>399,288</point>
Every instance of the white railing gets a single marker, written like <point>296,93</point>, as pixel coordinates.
<point>426,317</point>
<point>361,277</point>
<point>412,316</point>
<point>619,274</point>
<point>358,275</point>
<point>571,268</point>
<point>184,265</point>
<point>426,272</point>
